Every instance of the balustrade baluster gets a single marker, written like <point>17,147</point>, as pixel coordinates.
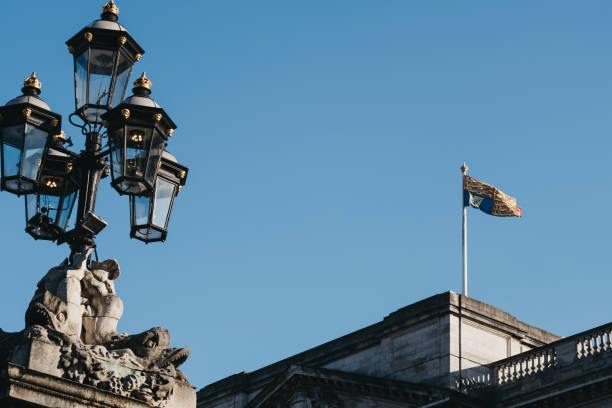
<point>517,370</point>
<point>540,361</point>
<point>527,365</point>
<point>598,341</point>
<point>583,349</point>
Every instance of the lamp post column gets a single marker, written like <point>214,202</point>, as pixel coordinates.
<point>91,169</point>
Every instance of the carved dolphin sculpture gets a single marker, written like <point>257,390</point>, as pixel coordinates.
<point>151,348</point>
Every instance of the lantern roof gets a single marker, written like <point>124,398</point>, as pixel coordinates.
<point>142,92</point>
<point>32,100</point>
<point>142,101</point>
<point>168,156</point>
<point>108,20</point>
<point>105,32</point>
<point>107,25</point>
<point>31,90</point>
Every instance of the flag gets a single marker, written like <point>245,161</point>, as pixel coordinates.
<point>489,199</point>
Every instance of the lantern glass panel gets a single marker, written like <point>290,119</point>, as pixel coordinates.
<point>48,210</point>
<point>80,78</point>
<point>101,64</point>
<point>138,142</point>
<point>124,69</point>
<point>116,156</point>
<point>157,149</point>
<point>142,206</point>
<point>12,139</point>
<point>38,224</point>
<point>49,200</point>
<point>33,149</point>
<point>66,210</point>
<point>164,194</point>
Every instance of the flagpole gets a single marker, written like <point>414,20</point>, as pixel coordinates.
<point>464,170</point>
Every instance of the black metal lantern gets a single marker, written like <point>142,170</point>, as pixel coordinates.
<point>138,131</point>
<point>149,215</point>
<point>26,124</point>
<point>48,209</point>
<point>104,53</point>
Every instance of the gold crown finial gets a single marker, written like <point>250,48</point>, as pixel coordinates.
<point>32,82</point>
<point>464,168</point>
<point>143,82</point>
<point>110,7</point>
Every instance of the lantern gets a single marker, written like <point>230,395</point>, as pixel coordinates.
<point>49,207</point>
<point>104,53</point>
<point>26,124</point>
<point>138,131</point>
<point>149,215</point>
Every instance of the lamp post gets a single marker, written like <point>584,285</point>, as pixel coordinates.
<point>36,162</point>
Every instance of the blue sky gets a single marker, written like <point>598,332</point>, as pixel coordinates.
<point>324,140</point>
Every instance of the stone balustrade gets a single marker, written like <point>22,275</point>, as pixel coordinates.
<point>524,364</point>
<point>561,353</point>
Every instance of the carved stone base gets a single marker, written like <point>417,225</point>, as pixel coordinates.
<point>46,369</point>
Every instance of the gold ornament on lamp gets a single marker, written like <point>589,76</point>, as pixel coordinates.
<point>143,82</point>
<point>32,82</point>
<point>110,7</point>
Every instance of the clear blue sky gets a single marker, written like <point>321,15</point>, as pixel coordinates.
<point>324,140</point>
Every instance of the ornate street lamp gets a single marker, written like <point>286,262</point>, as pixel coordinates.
<point>104,53</point>
<point>75,310</point>
<point>57,181</point>
<point>26,125</point>
<point>48,209</point>
<point>149,215</point>
<point>139,129</point>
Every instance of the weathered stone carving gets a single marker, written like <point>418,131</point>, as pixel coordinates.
<point>73,316</point>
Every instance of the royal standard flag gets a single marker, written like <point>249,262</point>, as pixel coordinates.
<point>489,199</point>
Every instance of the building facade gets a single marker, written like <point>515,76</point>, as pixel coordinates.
<point>445,351</point>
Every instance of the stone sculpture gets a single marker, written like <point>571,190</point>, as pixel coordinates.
<point>71,333</point>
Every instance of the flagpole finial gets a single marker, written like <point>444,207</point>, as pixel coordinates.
<point>464,168</point>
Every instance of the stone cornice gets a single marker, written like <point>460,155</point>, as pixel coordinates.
<point>24,386</point>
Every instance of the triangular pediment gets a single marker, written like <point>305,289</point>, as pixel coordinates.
<point>305,387</point>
